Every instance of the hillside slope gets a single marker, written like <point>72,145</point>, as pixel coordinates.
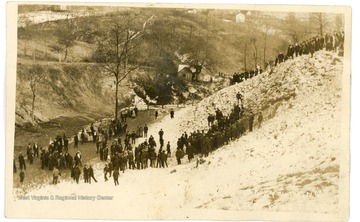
<point>289,163</point>
<point>293,158</point>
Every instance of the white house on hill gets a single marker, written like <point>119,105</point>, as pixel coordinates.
<point>240,18</point>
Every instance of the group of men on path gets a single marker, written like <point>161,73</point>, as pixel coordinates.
<point>328,42</point>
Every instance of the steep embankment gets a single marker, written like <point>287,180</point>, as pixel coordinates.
<point>290,163</point>
<point>66,90</point>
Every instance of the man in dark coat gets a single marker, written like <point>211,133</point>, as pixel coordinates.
<point>36,150</point>
<point>86,174</point>
<point>130,158</point>
<point>116,176</point>
<point>56,174</point>
<point>168,149</point>
<point>161,134</point>
<point>66,143</point>
<point>22,162</point>
<point>14,166</point>
<point>22,176</point>
<point>76,141</point>
<point>106,170</point>
<point>260,119</point>
<point>92,131</point>
<point>91,174</point>
<point>172,113</point>
<point>146,128</point>
<point>163,159</point>
<point>179,154</point>
<point>29,153</point>
<point>69,160</point>
<point>133,137</point>
<point>77,174</point>
<point>251,122</point>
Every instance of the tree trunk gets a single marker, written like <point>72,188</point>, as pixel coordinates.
<point>264,62</point>
<point>245,52</point>
<point>116,99</point>
<point>33,106</point>
<point>25,48</point>
<point>66,52</point>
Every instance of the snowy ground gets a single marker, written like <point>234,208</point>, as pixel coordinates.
<point>289,164</point>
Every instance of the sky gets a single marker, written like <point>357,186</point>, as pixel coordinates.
<point>354,202</point>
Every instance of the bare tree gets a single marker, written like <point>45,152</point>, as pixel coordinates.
<point>244,48</point>
<point>35,76</point>
<point>114,49</point>
<point>255,50</point>
<point>339,22</point>
<point>265,42</point>
<point>319,21</point>
<point>66,36</point>
<point>293,28</point>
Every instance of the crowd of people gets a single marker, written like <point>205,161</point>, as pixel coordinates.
<point>125,154</point>
<point>334,42</point>
<point>222,130</point>
<point>330,42</point>
<point>118,155</point>
<point>243,76</point>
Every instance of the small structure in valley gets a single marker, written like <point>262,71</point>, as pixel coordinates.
<point>240,18</point>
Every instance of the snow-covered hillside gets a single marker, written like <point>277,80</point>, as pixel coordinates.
<point>290,163</point>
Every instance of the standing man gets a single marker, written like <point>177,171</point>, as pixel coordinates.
<point>22,162</point>
<point>29,153</point>
<point>161,134</point>
<point>116,174</point>
<point>86,174</point>
<point>22,176</point>
<point>146,128</point>
<point>56,174</point>
<point>92,130</point>
<point>179,155</point>
<point>76,141</point>
<point>91,174</point>
<point>168,150</point>
<point>172,113</point>
<point>36,149</point>
<point>77,173</point>
<point>239,97</point>
<point>260,119</point>
<point>14,166</point>
<point>156,114</point>
<point>106,170</point>
<point>251,122</point>
<point>66,143</point>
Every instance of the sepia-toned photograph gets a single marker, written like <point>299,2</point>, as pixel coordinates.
<point>165,111</point>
